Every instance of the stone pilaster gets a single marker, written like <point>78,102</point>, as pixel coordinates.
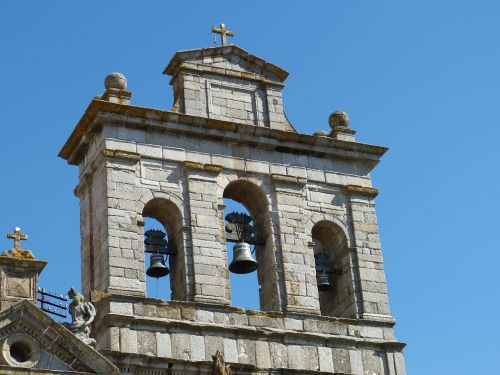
<point>208,248</point>
<point>367,251</point>
<point>121,242</point>
<point>298,258</point>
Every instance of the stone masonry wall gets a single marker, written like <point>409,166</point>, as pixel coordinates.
<point>170,334</point>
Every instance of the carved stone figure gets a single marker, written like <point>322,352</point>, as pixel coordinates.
<point>82,315</point>
<point>220,367</point>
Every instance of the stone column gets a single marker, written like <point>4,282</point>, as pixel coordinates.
<point>298,258</point>
<point>367,251</point>
<point>209,253</point>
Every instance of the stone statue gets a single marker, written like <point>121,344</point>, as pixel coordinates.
<point>220,367</point>
<point>82,315</point>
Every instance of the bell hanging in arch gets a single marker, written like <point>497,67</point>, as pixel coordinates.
<point>323,282</point>
<point>157,267</point>
<point>242,259</point>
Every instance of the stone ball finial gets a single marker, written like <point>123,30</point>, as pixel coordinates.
<point>338,119</point>
<point>115,80</point>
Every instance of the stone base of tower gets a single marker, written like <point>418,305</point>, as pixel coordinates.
<point>144,335</point>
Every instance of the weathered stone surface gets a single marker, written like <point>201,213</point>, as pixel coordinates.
<point>311,198</point>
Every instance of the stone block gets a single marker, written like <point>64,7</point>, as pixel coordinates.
<point>128,341</point>
<point>146,343</point>
<point>356,361</point>
<point>262,354</point>
<point>163,345</point>
<point>181,346</point>
<point>121,308</point>
<point>293,324</point>
<point>325,359</point>
<point>279,355</point>
<point>197,348</point>
<point>212,344</point>
<point>230,350</point>
<point>246,351</point>
<point>303,357</point>
<point>341,362</point>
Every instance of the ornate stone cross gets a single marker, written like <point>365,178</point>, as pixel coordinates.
<point>223,33</point>
<point>17,236</point>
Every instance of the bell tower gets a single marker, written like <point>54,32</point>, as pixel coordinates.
<point>311,203</point>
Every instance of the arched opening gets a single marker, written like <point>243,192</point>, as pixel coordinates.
<point>336,294</point>
<point>162,214</point>
<point>244,196</point>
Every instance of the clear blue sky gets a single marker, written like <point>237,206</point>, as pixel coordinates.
<point>421,77</point>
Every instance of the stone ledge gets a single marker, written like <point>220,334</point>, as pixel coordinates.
<point>132,363</point>
<point>121,154</point>
<point>361,190</point>
<point>166,121</point>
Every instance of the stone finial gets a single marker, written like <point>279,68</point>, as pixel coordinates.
<point>116,89</point>
<point>338,119</point>
<point>82,315</point>
<point>339,122</point>
<point>16,251</point>
<point>115,80</point>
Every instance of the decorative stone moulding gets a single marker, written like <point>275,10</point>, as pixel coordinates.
<point>121,154</point>
<point>20,350</point>
<point>195,166</point>
<point>361,190</point>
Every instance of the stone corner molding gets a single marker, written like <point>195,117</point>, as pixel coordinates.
<point>361,190</point>
<point>121,154</point>
<point>195,166</point>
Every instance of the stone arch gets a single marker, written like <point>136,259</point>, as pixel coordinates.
<point>251,193</point>
<point>316,218</point>
<point>168,210</point>
<point>332,258</point>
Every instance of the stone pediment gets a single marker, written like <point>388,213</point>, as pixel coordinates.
<point>32,341</point>
<point>224,60</point>
<point>227,83</point>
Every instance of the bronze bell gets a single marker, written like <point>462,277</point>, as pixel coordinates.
<point>242,259</point>
<point>323,282</point>
<point>157,267</point>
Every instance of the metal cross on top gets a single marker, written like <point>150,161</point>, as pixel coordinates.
<point>223,32</point>
<point>17,236</point>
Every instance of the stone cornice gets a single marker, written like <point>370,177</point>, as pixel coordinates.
<point>361,190</point>
<point>24,264</point>
<point>192,68</point>
<point>101,112</point>
<point>252,60</point>
<point>117,320</point>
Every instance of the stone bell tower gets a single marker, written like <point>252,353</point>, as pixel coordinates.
<point>323,298</point>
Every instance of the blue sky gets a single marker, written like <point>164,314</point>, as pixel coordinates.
<point>420,77</point>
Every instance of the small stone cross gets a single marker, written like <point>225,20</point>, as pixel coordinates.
<point>17,236</point>
<point>223,33</point>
